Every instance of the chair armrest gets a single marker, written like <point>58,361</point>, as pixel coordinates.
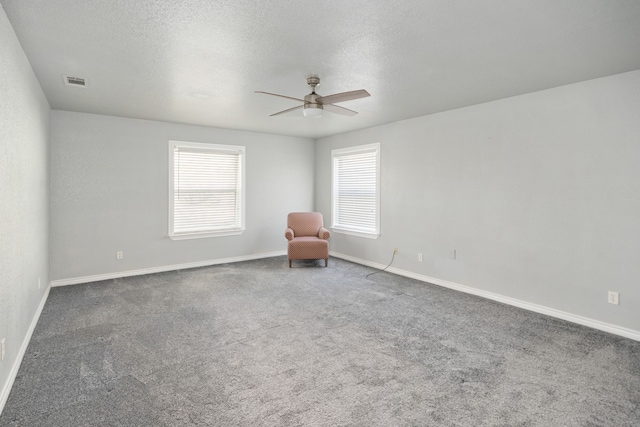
<point>323,233</point>
<point>288,233</point>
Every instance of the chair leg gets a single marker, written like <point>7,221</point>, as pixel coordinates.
<point>326,262</point>
<point>289,263</point>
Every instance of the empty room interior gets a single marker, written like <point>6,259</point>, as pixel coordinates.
<point>476,165</point>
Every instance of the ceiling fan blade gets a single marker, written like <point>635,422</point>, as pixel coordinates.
<point>287,110</point>
<point>281,96</point>
<point>344,96</point>
<point>339,110</point>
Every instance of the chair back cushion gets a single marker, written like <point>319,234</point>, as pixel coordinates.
<point>305,223</point>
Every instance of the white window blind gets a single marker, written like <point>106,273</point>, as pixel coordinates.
<point>356,190</point>
<point>207,196</point>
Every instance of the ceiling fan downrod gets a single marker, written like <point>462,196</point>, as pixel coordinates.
<point>313,82</point>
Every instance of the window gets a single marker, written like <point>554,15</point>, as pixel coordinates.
<point>355,195</point>
<point>206,190</point>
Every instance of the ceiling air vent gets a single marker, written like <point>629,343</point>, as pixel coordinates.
<point>75,81</point>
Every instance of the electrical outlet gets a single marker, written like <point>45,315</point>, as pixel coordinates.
<point>2,350</point>
<point>395,251</point>
<point>119,255</point>
<point>614,298</point>
<point>420,257</point>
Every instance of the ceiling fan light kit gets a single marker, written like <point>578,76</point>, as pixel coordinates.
<point>312,110</point>
<point>314,104</point>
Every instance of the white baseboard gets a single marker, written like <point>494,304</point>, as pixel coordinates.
<point>585,321</point>
<point>13,373</point>
<point>162,269</point>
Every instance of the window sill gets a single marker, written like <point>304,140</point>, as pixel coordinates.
<point>187,236</point>
<point>356,233</point>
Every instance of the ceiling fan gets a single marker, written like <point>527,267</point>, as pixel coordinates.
<point>314,104</point>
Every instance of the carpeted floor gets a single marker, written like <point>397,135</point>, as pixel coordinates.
<point>259,344</point>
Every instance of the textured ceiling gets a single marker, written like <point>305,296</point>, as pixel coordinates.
<point>200,61</point>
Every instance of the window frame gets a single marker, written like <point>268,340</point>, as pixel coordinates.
<point>343,152</point>
<point>227,149</point>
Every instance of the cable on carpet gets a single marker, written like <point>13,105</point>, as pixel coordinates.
<point>380,271</point>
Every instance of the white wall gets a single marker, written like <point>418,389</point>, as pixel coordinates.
<point>539,195</point>
<point>109,192</point>
<point>24,200</point>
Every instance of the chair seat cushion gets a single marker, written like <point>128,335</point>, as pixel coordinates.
<point>307,247</point>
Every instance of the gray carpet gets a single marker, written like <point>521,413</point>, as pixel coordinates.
<point>259,344</point>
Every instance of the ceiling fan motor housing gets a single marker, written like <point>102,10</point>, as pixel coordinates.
<point>311,106</point>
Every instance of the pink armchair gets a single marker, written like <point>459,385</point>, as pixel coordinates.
<point>307,238</point>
